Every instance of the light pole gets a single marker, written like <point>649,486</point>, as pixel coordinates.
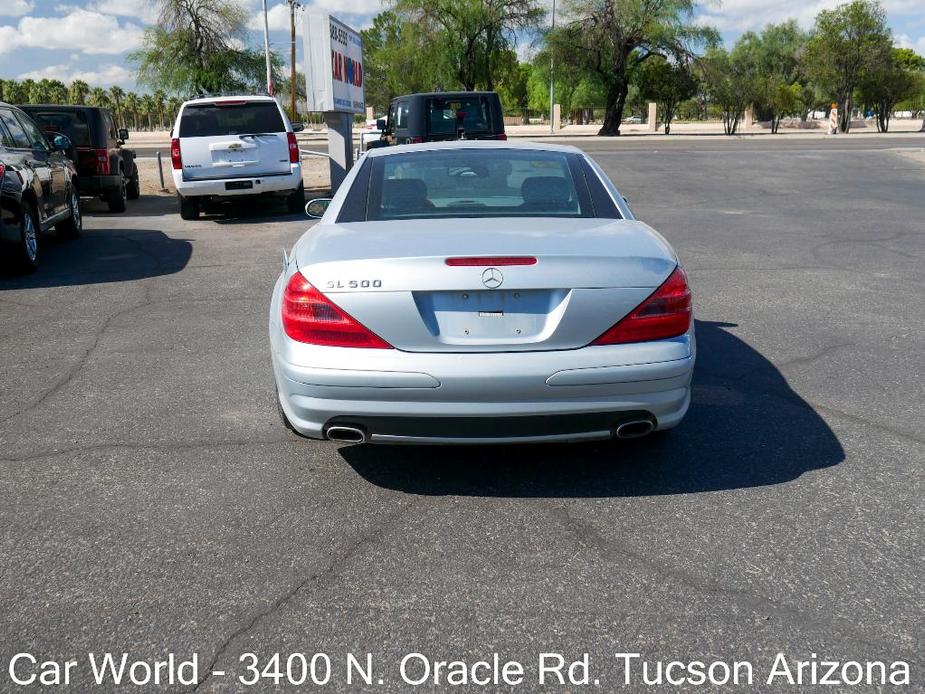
<point>552,87</point>
<point>292,5</point>
<point>266,49</point>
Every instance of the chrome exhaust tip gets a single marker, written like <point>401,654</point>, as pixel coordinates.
<point>635,429</point>
<point>346,434</point>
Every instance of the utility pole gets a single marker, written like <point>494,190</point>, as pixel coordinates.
<point>266,49</point>
<point>552,87</point>
<point>292,72</point>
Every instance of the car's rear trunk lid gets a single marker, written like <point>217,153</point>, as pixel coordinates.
<point>394,278</point>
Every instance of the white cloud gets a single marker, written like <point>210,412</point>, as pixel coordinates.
<point>143,10</point>
<point>906,41</point>
<point>103,76</point>
<point>278,14</point>
<point>83,30</point>
<point>15,8</point>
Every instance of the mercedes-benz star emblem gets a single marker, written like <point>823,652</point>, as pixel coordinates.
<point>492,278</point>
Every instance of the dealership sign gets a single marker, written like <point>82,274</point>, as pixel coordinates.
<point>334,65</point>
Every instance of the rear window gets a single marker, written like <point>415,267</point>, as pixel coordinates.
<point>73,124</point>
<point>477,183</point>
<point>446,115</point>
<point>232,118</point>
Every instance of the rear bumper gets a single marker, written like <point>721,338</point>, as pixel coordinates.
<point>259,184</point>
<point>402,397</point>
<point>96,185</point>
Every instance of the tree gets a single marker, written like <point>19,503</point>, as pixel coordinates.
<point>98,97</point>
<point>667,84</point>
<point>473,33</point>
<point>199,46</point>
<point>401,58</point>
<point>77,92</point>
<point>846,44</point>
<point>132,105</point>
<point>729,84</point>
<point>610,39</point>
<point>117,94</point>
<point>888,82</point>
<point>773,59</point>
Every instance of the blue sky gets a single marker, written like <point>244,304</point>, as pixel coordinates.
<point>90,39</point>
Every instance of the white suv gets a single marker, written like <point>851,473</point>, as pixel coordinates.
<point>234,145</point>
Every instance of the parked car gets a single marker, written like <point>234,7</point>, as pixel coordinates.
<point>223,147</point>
<point>435,116</point>
<point>105,168</point>
<point>38,188</point>
<point>480,292</point>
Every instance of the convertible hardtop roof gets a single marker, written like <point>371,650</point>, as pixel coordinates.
<point>471,144</point>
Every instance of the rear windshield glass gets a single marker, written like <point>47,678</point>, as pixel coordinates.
<point>237,118</point>
<point>74,124</point>
<point>447,116</point>
<point>477,183</point>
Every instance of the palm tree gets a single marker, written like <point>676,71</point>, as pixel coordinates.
<point>132,104</point>
<point>57,92</point>
<point>98,97</point>
<point>77,94</point>
<point>160,101</point>
<point>148,109</point>
<point>116,94</point>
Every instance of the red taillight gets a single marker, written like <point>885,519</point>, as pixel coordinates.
<point>415,140</point>
<point>2,171</point>
<point>175,157</point>
<point>102,161</point>
<point>310,317</point>
<point>230,102</point>
<point>486,260</point>
<point>501,136</point>
<point>293,148</point>
<point>666,313</point>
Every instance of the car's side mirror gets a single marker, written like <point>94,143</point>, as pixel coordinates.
<point>298,127</point>
<point>317,207</point>
<point>380,124</point>
<point>61,143</point>
<point>123,134</point>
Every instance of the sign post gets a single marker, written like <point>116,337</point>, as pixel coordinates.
<point>334,85</point>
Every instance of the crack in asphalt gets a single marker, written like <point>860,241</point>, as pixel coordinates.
<point>589,536</point>
<point>378,530</point>
<point>163,447</point>
<point>82,361</point>
<point>85,358</point>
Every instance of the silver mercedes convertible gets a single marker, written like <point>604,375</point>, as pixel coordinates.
<point>480,292</point>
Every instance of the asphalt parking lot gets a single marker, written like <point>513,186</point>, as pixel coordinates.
<point>151,501</point>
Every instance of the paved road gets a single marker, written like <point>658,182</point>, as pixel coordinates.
<point>150,500</point>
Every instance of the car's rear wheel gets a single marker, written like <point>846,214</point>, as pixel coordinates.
<point>71,227</point>
<point>133,189</point>
<point>116,198</point>
<point>26,257</point>
<point>189,207</point>
<point>295,201</point>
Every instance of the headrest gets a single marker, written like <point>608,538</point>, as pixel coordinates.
<point>547,190</point>
<point>404,192</point>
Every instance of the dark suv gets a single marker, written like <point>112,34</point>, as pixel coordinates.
<point>437,116</point>
<point>38,188</point>
<point>106,169</point>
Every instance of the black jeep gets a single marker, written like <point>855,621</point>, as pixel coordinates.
<point>435,116</point>
<point>105,168</point>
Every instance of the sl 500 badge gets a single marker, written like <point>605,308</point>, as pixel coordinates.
<point>354,284</point>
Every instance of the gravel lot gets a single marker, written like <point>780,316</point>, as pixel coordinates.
<point>151,502</point>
